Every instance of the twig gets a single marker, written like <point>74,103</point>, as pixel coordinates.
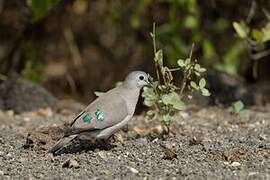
<point>255,69</point>
<point>71,83</point>
<point>153,35</point>
<point>260,55</point>
<point>251,11</point>
<point>266,13</point>
<point>74,50</point>
<point>175,69</point>
<point>191,51</point>
<point>154,38</point>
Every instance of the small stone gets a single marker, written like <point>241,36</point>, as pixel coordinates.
<point>70,163</point>
<point>235,164</point>
<point>143,141</point>
<point>102,154</point>
<point>169,151</point>
<point>252,173</point>
<point>133,170</point>
<point>157,129</point>
<point>26,119</point>
<point>10,113</point>
<point>8,155</point>
<point>47,112</point>
<point>263,137</point>
<point>195,141</point>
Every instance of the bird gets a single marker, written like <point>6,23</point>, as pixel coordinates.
<point>108,113</point>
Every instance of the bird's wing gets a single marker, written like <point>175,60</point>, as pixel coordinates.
<point>104,112</point>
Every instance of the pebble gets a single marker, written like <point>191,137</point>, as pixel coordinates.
<point>133,170</point>
<point>235,164</point>
<point>70,163</point>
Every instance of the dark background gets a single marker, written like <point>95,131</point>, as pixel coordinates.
<point>76,47</point>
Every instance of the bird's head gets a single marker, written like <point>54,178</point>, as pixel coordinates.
<point>136,79</point>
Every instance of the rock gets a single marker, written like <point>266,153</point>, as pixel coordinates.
<point>10,113</point>
<point>22,95</point>
<point>102,154</point>
<point>46,112</point>
<point>235,164</point>
<point>195,141</point>
<point>133,170</point>
<point>169,151</point>
<point>70,163</point>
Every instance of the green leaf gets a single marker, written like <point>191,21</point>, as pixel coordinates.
<point>266,32</point>
<point>238,106</point>
<point>166,99</point>
<point>191,22</point>
<point>148,91</point>
<point>197,73</point>
<point>245,113</point>
<point>202,83</point>
<point>194,85</point>
<point>241,29</point>
<point>98,93</point>
<point>179,105</point>
<point>197,67</point>
<point>187,61</point>
<point>179,119</point>
<point>257,35</point>
<point>150,114</point>
<point>40,8</point>
<point>202,70</point>
<point>159,57</point>
<point>174,100</point>
<point>149,96</point>
<point>166,118</point>
<point>205,92</point>
<point>209,51</point>
<point>181,63</point>
<point>148,102</point>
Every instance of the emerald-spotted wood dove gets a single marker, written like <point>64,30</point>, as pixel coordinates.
<point>108,113</point>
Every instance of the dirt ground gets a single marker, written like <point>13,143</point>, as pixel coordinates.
<point>212,143</point>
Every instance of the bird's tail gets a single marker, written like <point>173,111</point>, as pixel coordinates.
<point>61,143</point>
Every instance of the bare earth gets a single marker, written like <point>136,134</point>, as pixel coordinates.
<point>211,143</point>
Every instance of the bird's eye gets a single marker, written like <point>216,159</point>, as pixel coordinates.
<point>141,77</point>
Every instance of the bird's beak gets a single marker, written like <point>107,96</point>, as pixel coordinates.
<point>148,83</point>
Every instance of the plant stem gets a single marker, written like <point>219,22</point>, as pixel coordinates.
<point>175,69</point>
<point>191,51</point>
<point>155,50</point>
<point>186,73</point>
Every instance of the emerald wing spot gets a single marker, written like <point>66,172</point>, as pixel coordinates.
<point>87,118</point>
<point>99,115</point>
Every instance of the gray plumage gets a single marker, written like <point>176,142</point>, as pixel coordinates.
<point>108,113</point>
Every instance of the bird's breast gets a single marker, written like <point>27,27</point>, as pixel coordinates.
<point>131,97</point>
